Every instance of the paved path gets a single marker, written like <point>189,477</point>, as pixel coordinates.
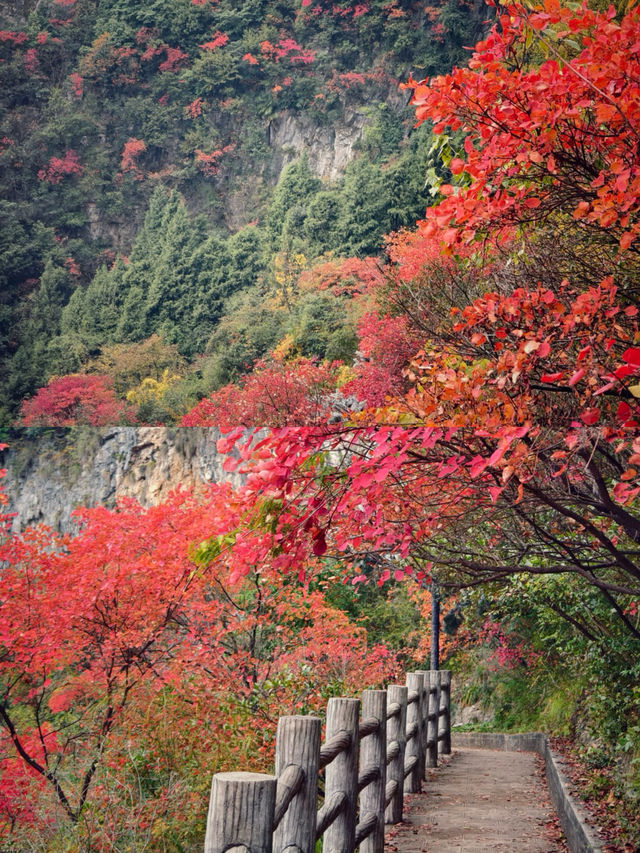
<point>480,800</point>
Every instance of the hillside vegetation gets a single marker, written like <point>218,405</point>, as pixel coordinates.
<point>144,179</point>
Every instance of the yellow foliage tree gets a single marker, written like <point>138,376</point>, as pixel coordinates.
<point>286,269</point>
<point>151,397</point>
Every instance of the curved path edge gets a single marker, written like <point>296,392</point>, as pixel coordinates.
<point>580,836</point>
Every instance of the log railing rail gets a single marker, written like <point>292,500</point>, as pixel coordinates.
<point>376,750</point>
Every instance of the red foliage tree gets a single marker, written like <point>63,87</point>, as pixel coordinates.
<point>30,59</point>
<point>344,276</point>
<point>194,109</point>
<point>76,84</point>
<point>288,48</point>
<point>218,40</point>
<point>106,63</point>
<point>387,344</point>
<point>13,37</point>
<point>132,149</point>
<point>557,137</point>
<point>276,393</point>
<point>175,59</point>
<point>108,627</point>
<point>61,167</point>
<point>209,164</point>
<point>75,399</point>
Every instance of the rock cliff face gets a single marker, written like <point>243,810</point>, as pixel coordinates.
<point>330,149</point>
<point>50,474</point>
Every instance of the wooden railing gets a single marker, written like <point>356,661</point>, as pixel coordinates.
<point>374,752</point>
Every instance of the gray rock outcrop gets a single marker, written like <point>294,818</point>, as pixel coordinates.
<point>52,473</point>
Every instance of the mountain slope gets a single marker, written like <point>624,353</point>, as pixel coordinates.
<point>107,103</point>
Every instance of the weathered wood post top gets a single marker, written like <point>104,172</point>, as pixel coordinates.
<point>241,812</point>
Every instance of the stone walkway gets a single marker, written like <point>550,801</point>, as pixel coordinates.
<point>480,800</point>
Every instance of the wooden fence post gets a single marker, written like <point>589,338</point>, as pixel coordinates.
<point>373,755</point>
<point>241,812</point>
<point>432,728</point>
<point>297,757</point>
<point>396,734</point>
<point>444,727</point>
<point>342,775</point>
<point>415,683</point>
<point>426,698</point>
<point>434,709</point>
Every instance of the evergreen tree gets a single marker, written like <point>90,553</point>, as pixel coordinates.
<point>92,314</point>
<point>30,365</point>
<point>322,221</point>
<point>320,328</point>
<point>296,187</point>
<point>170,296</point>
<point>367,201</point>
